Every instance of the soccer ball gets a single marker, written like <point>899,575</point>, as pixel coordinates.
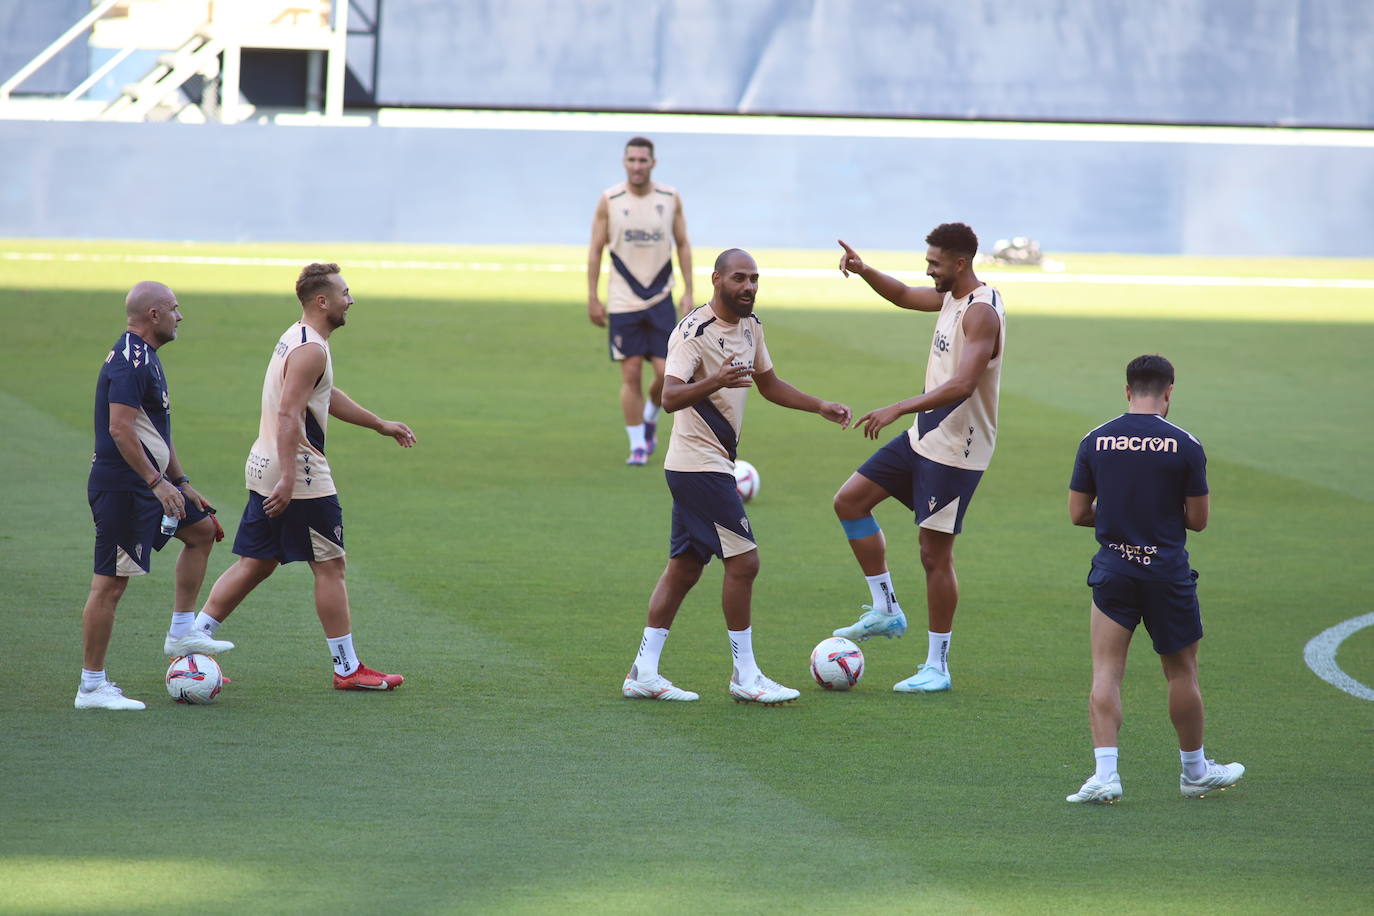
<point>836,663</point>
<point>746,480</point>
<point>194,679</point>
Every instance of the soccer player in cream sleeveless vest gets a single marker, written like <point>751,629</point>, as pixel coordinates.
<point>641,222</point>
<point>262,472</point>
<point>641,246</point>
<point>964,435</point>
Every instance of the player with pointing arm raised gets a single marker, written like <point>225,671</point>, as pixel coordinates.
<point>933,467</point>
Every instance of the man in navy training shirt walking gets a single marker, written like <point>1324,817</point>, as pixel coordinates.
<point>1141,481</point>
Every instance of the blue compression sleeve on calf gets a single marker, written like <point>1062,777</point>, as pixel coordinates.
<point>860,527</point>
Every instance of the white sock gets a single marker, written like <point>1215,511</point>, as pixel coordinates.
<point>207,623</point>
<point>181,623</point>
<point>937,656</point>
<point>742,648</point>
<point>1106,763</point>
<point>884,598</point>
<point>1194,763</point>
<point>636,434</point>
<point>90,680</point>
<point>650,411</point>
<point>341,650</point>
<point>650,648</point>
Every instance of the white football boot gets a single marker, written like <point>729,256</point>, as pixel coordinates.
<point>762,690</point>
<point>194,641</point>
<point>657,687</point>
<point>1097,792</point>
<point>1218,776</point>
<point>106,696</point>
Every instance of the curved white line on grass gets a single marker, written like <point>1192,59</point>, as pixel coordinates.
<point>1320,655</point>
<point>789,272</point>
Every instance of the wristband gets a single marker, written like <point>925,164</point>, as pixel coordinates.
<point>156,480</point>
<point>180,480</point>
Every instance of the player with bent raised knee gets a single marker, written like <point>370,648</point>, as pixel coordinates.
<point>934,467</point>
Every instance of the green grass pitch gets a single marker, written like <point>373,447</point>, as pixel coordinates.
<point>504,566</point>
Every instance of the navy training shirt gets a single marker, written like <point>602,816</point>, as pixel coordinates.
<point>132,375</point>
<point>1141,467</point>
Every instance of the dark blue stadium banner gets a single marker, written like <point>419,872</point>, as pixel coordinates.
<point>1265,62</point>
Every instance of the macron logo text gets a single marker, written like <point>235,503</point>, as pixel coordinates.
<point>1136,444</point>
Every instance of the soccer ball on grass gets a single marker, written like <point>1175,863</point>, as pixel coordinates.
<point>194,679</point>
<point>837,663</point>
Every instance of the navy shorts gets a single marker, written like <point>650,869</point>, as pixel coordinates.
<point>127,529</point>
<point>708,516</point>
<point>643,333</point>
<point>937,493</point>
<point>1169,610</point>
<point>309,529</point>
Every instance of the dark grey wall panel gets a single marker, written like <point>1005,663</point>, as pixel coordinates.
<point>269,183</point>
<point>1192,61</point>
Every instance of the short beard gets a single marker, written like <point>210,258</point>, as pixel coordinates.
<point>739,307</point>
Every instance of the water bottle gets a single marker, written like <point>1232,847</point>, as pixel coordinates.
<point>169,525</point>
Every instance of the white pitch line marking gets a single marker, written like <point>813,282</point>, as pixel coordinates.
<point>785,272</point>
<point>1320,655</point>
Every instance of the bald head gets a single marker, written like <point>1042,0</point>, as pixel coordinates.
<point>147,295</point>
<point>725,257</point>
<point>153,312</point>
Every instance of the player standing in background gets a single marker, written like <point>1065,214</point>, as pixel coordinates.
<point>293,510</point>
<point>1141,482</point>
<point>641,221</point>
<point>934,467</point>
<point>135,480</point>
<point>716,354</point>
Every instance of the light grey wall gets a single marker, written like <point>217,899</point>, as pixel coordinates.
<point>1192,61</point>
<point>252,182</point>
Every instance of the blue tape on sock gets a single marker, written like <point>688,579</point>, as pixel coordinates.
<point>860,527</point>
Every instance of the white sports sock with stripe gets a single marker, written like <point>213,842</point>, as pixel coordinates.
<point>742,648</point>
<point>650,649</point>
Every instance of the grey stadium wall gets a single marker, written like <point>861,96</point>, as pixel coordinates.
<point>1289,62</point>
<point>252,182</point>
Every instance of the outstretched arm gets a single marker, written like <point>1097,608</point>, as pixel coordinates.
<point>350,411</point>
<point>787,395</point>
<point>981,330</point>
<point>919,298</point>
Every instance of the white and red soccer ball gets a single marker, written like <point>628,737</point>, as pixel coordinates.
<point>746,480</point>
<point>837,663</point>
<point>194,679</point>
